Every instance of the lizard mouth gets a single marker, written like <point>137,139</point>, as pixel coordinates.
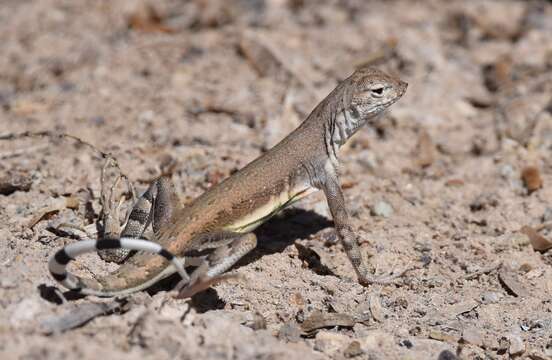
<point>376,114</point>
<point>383,106</point>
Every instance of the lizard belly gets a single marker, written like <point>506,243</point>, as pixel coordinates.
<point>264,212</point>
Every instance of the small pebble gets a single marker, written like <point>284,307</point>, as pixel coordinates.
<point>531,178</point>
<point>15,181</point>
<point>7,283</point>
<point>507,171</point>
<point>330,343</point>
<point>517,347</point>
<point>353,350</point>
<point>406,343</point>
<point>447,355</point>
<point>369,160</point>
<point>548,349</point>
<point>472,336</point>
<point>547,215</point>
<point>25,312</point>
<point>491,297</point>
<point>484,201</point>
<point>290,331</point>
<point>382,209</point>
<point>146,116</point>
<point>538,242</point>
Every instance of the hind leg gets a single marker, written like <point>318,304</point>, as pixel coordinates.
<point>211,268</point>
<point>154,207</point>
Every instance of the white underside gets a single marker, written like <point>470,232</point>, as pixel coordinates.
<point>260,215</point>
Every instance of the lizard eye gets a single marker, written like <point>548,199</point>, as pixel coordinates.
<point>377,92</point>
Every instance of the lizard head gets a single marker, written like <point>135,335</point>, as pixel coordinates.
<point>373,91</point>
<point>365,95</point>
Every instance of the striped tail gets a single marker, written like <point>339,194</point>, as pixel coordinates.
<point>58,263</point>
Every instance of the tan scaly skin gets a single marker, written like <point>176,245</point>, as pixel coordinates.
<point>223,217</point>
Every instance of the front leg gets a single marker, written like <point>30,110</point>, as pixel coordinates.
<point>344,229</point>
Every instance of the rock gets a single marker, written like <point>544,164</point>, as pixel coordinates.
<point>425,150</point>
<point>531,178</point>
<point>490,297</point>
<point>383,209</point>
<point>517,347</point>
<point>490,342</point>
<point>548,349</point>
<point>442,336</point>
<point>353,350</point>
<point>547,215</point>
<point>503,345</point>
<point>375,340</point>
<point>484,201</point>
<point>538,242</point>
<point>290,331</point>
<point>462,307</point>
<point>7,283</point>
<point>429,349</point>
<point>376,309</point>
<point>507,171</point>
<point>517,239</point>
<point>25,312</point>
<point>146,117</point>
<point>369,160</point>
<point>15,181</point>
<point>330,343</point>
<point>254,320</point>
<point>511,282</point>
<point>447,355</point>
<point>318,320</point>
<point>472,336</point>
<point>406,343</point>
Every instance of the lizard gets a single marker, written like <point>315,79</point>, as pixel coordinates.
<point>222,219</point>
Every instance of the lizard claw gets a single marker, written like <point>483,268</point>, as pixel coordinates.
<point>203,284</point>
<point>199,281</point>
<point>367,280</point>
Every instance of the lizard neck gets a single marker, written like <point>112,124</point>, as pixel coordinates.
<point>341,126</point>
<point>345,124</point>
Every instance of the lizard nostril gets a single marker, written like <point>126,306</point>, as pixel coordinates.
<point>403,86</point>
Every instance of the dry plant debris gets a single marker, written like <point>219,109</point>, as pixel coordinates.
<point>77,315</point>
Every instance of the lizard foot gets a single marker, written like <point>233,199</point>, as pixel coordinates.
<point>367,280</point>
<point>202,284</point>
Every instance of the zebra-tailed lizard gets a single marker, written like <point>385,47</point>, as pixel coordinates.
<point>223,218</point>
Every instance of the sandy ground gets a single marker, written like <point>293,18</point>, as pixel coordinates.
<point>198,89</point>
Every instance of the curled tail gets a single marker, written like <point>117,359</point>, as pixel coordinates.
<point>58,265</point>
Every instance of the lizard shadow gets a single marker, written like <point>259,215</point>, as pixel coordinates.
<point>272,237</point>
<point>56,296</point>
<point>281,231</point>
